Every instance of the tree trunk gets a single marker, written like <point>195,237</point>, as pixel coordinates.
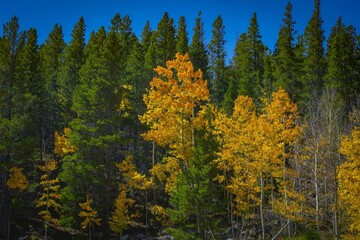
<point>6,211</point>
<point>261,207</point>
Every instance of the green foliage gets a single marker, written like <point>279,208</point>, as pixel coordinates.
<point>179,234</point>
<point>94,92</point>
<point>287,66</point>
<point>164,43</point>
<point>248,60</point>
<point>218,83</point>
<point>197,50</point>
<point>314,63</point>
<point>342,61</point>
<point>196,199</point>
<point>182,39</point>
<point>69,73</point>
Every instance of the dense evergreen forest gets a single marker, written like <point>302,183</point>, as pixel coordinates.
<point>157,137</point>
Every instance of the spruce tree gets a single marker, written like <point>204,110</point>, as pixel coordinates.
<point>51,53</point>
<point>146,36</point>
<point>342,61</point>
<point>182,39</point>
<point>286,64</point>
<point>249,60</point>
<point>15,103</point>
<point>165,44</point>
<point>101,104</point>
<point>314,62</point>
<point>218,84</point>
<point>77,176</point>
<point>197,48</point>
<point>69,78</point>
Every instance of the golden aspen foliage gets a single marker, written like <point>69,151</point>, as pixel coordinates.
<point>255,147</point>
<point>161,215</point>
<point>62,144</point>
<point>171,100</point>
<point>120,217</point>
<point>282,115</point>
<point>17,180</point>
<point>236,160</point>
<point>49,199</point>
<point>349,181</point>
<point>88,214</point>
<point>132,179</point>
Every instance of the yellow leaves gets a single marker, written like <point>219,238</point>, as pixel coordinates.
<point>349,179</point>
<point>88,213</point>
<point>160,215</point>
<point>62,144</point>
<point>120,217</point>
<point>49,166</point>
<point>171,101</point>
<point>49,198</point>
<point>17,180</point>
<point>132,177</point>
<point>253,146</point>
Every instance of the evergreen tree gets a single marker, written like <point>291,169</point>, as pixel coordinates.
<point>17,145</point>
<point>98,131</point>
<point>314,62</point>
<point>164,40</point>
<point>77,176</point>
<point>342,60</point>
<point>182,39</point>
<point>268,79</point>
<point>197,48</point>
<point>74,58</point>
<point>218,84</point>
<point>150,55</point>
<point>51,53</point>
<point>231,92</point>
<point>126,37</point>
<point>249,60</point>
<point>146,36</point>
<point>286,64</point>
<point>197,202</point>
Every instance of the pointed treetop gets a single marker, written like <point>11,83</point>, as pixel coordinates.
<point>182,39</point>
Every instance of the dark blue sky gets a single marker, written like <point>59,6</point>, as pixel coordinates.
<point>43,14</point>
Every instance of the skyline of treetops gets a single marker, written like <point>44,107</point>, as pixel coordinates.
<point>159,135</point>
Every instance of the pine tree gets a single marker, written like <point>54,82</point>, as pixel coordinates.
<point>165,44</point>
<point>286,64</point>
<point>146,36</point>
<point>51,53</point>
<point>69,78</point>
<point>218,84</point>
<point>182,37</point>
<point>314,63</point>
<point>196,201</point>
<point>14,113</point>
<point>249,60</point>
<point>342,61</point>
<point>101,104</point>
<point>197,48</point>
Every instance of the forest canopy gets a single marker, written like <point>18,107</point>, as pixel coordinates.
<point>160,135</point>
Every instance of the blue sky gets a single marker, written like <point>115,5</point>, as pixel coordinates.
<point>44,14</point>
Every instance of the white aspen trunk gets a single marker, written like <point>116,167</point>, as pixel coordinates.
<point>316,185</point>
<point>261,207</point>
